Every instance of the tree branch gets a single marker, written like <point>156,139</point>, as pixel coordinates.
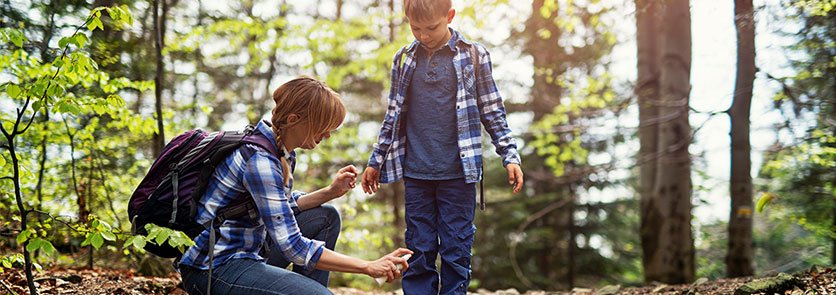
<point>7,287</point>
<point>47,214</point>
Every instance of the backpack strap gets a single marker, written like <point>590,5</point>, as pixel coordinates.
<point>245,208</point>
<point>474,59</point>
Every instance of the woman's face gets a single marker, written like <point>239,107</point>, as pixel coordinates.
<point>301,135</point>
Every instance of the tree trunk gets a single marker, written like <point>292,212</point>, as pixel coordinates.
<point>159,28</point>
<point>27,257</point>
<point>392,16</point>
<point>647,93</point>
<point>570,258</point>
<point>667,241</point>
<point>739,258</point>
<point>547,56</point>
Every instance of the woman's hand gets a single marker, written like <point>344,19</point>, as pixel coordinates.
<point>386,266</point>
<point>344,181</point>
<point>371,180</point>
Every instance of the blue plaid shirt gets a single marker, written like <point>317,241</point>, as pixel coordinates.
<point>471,110</point>
<point>260,176</point>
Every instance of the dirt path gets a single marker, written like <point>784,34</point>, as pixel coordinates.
<point>111,281</point>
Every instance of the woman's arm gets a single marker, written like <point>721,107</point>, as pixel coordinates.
<point>382,267</point>
<point>342,183</point>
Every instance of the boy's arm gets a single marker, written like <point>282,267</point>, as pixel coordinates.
<point>492,112</point>
<point>384,139</point>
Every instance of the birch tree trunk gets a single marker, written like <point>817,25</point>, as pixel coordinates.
<point>667,241</point>
<point>647,93</point>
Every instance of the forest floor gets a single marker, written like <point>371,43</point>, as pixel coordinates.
<point>112,281</point>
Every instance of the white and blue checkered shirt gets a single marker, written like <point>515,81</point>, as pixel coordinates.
<point>260,176</point>
<point>471,111</point>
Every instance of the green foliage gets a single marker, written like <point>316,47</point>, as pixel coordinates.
<point>8,262</point>
<point>815,7</point>
<point>159,235</point>
<point>99,231</point>
<point>801,178</point>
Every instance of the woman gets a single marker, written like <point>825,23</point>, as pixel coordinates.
<point>306,112</point>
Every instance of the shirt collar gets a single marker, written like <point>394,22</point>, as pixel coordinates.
<point>455,38</point>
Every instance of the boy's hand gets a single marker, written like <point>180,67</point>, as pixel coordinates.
<point>371,180</point>
<point>515,176</point>
<point>346,177</point>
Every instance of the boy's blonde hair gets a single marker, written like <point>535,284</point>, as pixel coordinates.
<point>424,10</point>
<point>312,101</point>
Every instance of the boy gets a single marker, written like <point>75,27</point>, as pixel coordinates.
<point>431,138</point>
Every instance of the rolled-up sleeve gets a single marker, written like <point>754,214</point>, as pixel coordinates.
<point>263,179</point>
<point>492,112</point>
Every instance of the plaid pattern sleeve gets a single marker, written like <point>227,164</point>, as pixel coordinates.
<point>387,130</point>
<point>492,111</point>
<point>259,176</point>
<point>264,182</point>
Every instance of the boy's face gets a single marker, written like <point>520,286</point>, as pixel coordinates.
<point>432,33</point>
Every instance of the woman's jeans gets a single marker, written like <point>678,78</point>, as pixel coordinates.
<point>322,224</point>
<point>247,276</point>
<point>439,220</point>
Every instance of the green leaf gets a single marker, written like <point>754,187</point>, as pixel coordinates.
<point>104,226</point>
<point>55,90</point>
<point>33,245</point>
<point>164,234</point>
<point>24,235</point>
<point>64,41</point>
<point>98,10</point>
<point>96,22</point>
<point>16,38</point>
<point>115,100</point>
<point>108,236</point>
<point>138,242</point>
<point>765,198</point>
<point>37,105</point>
<point>3,163</point>
<point>87,239</point>
<point>13,90</point>
<point>96,240</point>
<point>38,89</point>
<point>80,40</point>
<point>47,247</point>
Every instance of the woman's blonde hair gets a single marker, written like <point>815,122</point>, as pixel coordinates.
<point>312,101</point>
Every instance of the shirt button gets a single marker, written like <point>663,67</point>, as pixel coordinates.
<point>462,155</point>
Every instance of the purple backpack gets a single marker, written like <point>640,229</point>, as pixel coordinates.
<point>174,186</point>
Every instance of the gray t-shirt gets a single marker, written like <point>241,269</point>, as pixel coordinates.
<point>432,150</point>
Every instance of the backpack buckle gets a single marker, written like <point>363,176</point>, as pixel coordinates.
<point>249,129</point>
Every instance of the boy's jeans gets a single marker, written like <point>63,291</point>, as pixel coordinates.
<point>439,219</point>
<point>321,223</point>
